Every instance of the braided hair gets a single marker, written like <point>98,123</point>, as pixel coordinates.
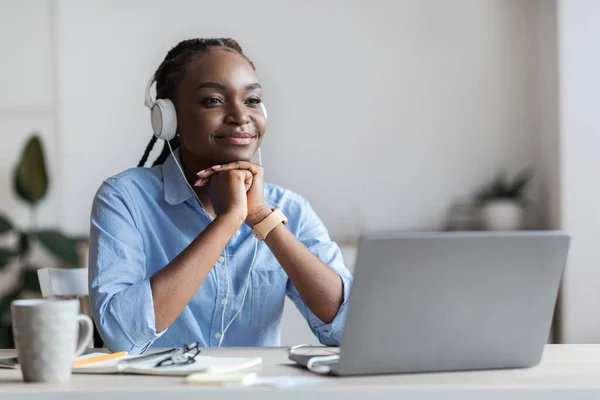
<point>170,73</point>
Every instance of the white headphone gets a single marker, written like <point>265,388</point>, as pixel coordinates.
<point>164,117</point>
<point>164,125</point>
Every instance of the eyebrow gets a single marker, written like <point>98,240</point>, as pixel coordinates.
<point>216,85</point>
<point>253,86</point>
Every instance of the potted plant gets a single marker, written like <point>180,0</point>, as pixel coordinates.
<point>30,182</point>
<point>502,202</point>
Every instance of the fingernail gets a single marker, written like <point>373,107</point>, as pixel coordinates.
<point>200,172</point>
<point>198,182</point>
<point>216,167</point>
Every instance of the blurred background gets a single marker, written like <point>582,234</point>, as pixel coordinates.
<point>384,114</point>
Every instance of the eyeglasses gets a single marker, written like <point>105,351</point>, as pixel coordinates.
<point>183,356</point>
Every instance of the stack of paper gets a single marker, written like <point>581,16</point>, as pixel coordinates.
<point>204,364</point>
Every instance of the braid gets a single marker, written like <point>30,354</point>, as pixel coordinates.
<point>166,151</point>
<point>171,71</point>
<point>147,151</point>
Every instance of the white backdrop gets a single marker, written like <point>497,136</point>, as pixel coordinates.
<point>579,28</point>
<point>381,112</point>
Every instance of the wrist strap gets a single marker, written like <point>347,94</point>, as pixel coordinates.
<point>262,229</point>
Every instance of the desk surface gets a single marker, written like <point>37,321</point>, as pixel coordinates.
<point>564,368</point>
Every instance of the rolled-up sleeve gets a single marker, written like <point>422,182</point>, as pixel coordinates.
<point>313,234</point>
<point>120,293</point>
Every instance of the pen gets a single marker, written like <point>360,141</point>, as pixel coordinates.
<point>104,357</point>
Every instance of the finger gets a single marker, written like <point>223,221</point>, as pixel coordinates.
<point>242,165</point>
<point>226,167</point>
<point>205,173</point>
<point>248,182</point>
<point>218,168</point>
<point>201,182</point>
<point>243,174</point>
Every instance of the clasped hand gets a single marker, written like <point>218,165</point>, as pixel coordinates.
<point>236,189</point>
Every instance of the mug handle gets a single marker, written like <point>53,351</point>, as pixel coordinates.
<point>86,327</point>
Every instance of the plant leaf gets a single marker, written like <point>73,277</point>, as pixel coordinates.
<point>6,338</point>
<point>6,300</point>
<point>81,239</point>
<point>60,245</point>
<point>520,182</point>
<point>5,224</point>
<point>5,304</point>
<point>501,187</point>
<point>6,256</point>
<point>23,243</point>
<point>30,280</point>
<point>31,176</point>
<point>20,191</point>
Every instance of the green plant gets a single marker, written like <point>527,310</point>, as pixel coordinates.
<point>503,188</point>
<point>30,183</point>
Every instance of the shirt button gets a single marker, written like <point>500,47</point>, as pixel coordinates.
<point>221,259</point>
<point>224,301</point>
<point>218,335</point>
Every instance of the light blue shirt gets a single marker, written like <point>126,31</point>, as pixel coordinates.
<point>144,217</point>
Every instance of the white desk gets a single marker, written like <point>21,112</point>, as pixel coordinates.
<point>566,372</point>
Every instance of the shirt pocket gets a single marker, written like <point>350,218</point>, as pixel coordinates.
<point>268,295</point>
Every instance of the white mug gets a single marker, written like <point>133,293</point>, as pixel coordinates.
<point>49,334</point>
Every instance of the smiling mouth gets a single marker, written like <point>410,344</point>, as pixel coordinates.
<point>241,140</point>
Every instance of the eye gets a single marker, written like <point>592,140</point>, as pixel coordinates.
<point>253,100</point>
<point>211,100</point>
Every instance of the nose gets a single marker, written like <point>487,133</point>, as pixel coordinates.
<point>238,114</point>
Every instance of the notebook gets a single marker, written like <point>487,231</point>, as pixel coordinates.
<point>147,365</point>
<point>9,363</point>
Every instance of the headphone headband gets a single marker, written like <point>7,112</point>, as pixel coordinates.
<point>148,101</point>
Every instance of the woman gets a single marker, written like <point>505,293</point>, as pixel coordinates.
<point>173,256</point>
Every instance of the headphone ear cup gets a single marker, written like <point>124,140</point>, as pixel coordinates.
<point>164,119</point>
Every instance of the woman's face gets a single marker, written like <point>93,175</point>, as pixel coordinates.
<point>219,118</point>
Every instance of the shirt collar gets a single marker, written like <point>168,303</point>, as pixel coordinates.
<point>176,188</point>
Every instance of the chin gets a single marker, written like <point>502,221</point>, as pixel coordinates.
<point>235,155</point>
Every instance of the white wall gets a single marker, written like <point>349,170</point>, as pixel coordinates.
<point>547,137</point>
<point>579,30</point>
<point>381,112</point>
<point>26,100</point>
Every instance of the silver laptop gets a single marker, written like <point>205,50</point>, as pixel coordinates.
<point>424,302</point>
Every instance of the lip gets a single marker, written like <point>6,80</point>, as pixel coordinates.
<point>237,138</point>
